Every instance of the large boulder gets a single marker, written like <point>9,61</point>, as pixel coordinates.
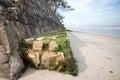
<point>53,46</point>
<point>34,56</point>
<point>45,59</point>
<point>51,60</point>
<point>57,62</point>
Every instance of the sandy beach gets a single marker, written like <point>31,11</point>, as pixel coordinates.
<point>98,58</point>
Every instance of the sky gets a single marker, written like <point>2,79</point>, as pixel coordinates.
<point>89,13</point>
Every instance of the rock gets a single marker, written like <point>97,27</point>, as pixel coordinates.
<point>51,61</point>
<point>16,0</point>
<point>30,54</point>
<point>60,68</point>
<point>53,46</point>
<point>5,72</point>
<point>29,39</point>
<point>57,62</point>
<point>60,57</point>
<point>52,38</point>
<point>40,38</point>
<point>3,58</point>
<point>14,8</point>
<point>2,18</point>
<point>2,48</point>
<point>34,57</point>
<point>4,39</point>
<point>37,45</point>
<point>45,59</point>
<point>16,64</point>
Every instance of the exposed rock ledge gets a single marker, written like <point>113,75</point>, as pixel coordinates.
<point>20,19</point>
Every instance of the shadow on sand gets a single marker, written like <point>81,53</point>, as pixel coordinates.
<point>76,45</point>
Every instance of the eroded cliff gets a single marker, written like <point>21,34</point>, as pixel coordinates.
<point>20,19</point>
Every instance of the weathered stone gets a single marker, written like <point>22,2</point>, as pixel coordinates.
<point>1,9</point>
<point>29,39</point>
<point>45,59</point>
<point>14,8</point>
<point>40,38</point>
<point>16,64</point>
<point>52,38</point>
<point>34,56</point>
<point>57,61</point>
<point>2,48</point>
<point>3,58</point>
<point>5,72</point>
<point>37,45</point>
<point>53,46</point>
<point>51,60</point>
<point>16,0</point>
<point>60,56</point>
<point>4,38</point>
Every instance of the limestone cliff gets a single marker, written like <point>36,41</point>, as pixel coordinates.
<point>20,19</point>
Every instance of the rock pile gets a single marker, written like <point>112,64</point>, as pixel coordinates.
<point>46,59</point>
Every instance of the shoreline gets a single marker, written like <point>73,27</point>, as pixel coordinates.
<point>97,59</point>
<point>96,34</point>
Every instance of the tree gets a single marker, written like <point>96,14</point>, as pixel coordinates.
<point>59,4</point>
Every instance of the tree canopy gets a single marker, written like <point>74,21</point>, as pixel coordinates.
<point>59,4</point>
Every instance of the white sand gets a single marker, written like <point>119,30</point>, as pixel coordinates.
<point>98,59</point>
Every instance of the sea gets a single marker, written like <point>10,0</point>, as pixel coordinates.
<point>107,31</point>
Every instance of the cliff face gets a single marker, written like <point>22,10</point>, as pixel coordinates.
<point>20,19</point>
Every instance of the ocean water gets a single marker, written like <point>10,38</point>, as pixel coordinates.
<point>108,31</point>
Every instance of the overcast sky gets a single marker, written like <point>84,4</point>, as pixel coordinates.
<point>89,13</point>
